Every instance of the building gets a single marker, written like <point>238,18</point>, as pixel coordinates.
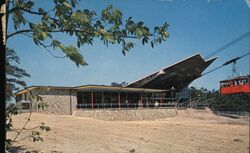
<point>155,90</point>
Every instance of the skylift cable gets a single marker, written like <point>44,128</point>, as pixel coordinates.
<point>226,63</point>
<point>228,44</point>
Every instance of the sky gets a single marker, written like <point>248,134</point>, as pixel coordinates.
<point>196,26</point>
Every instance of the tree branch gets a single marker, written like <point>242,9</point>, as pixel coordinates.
<point>23,138</point>
<point>88,32</point>
<point>97,18</point>
<point>17,32</point>
<point>59,30</point>
<point>27,135</point>
<point>32,12</point>
<point>45,47</point>
<point>23,9</point>
<point>19,132</point>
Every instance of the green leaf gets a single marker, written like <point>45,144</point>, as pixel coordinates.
<point>55,43</point>
<point>152,44</point>
<point>123,52</point>
<point>44,35</point>
<point>62,18</point>
<point>66,4</point>
<point>140,24</point>
<point>40,10</point>
<point>8,143</point>
<point>45,17</point>
<point>144,40</point>
<point>74,55</point>
<point>32,25</point>
<point>138,33</point>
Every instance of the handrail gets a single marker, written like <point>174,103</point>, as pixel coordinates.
<point>126,105</point>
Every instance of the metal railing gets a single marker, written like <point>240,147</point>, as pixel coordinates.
<point>23,101</point>
<point>189,103</point>
<point>232,114</point>
<point>125,105</point>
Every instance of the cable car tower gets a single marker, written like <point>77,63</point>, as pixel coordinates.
<point>235,70</point>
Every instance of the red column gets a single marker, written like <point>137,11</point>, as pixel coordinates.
<point>119,100</point>
<point>92,100</point>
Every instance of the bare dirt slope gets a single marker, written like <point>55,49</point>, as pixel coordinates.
<point>188,132</point>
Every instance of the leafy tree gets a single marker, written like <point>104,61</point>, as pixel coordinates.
<point>14,74</point>
<point>236,102</point>
<point>115,84</point>
<point>64,17</point>
<point>194,92</point>
<point>15,110</point>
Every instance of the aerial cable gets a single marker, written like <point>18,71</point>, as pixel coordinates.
<point>223,48</point>
<point>228,44</point>
<point>226,63</point>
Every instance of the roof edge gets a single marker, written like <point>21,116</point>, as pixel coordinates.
<point>196,54</point>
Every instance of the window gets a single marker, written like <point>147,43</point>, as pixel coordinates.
<point>25,96</point>
<point>25,106</point>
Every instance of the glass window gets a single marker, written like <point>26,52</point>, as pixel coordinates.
<point>25,106</point>
<point>25,96</point>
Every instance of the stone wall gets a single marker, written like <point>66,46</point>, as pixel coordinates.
<point>58,102</point>
<point>126,115</point>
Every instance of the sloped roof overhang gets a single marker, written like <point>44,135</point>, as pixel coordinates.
<point>95,88</point>
<point>116,89</point>
<point>178,75</point>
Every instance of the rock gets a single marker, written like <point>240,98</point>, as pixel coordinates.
<point>237,140</point>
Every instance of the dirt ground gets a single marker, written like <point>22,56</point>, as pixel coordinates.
<point>188,132</point>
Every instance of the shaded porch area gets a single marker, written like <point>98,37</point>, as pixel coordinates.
<point>101,97</point>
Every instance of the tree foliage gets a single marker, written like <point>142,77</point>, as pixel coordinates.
<point>14,74</point>
<point>14,80</point>
<point>235,102</point>
<point>35,132</point>
<point>115,84</point>
<point>63,17</point>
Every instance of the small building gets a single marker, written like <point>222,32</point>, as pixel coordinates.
<point>156,88</point>
<point>64,100</point>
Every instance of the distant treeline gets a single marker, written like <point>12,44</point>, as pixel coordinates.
<point>236,102</point>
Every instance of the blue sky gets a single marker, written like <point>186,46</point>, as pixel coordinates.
<point>196,26</point>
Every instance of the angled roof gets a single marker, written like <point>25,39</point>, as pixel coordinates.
<point>177,75</point>
<point>113,88</point>
<point>30,88</point>
<point>92,88</point>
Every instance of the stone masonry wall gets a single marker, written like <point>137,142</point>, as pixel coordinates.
<point>58,102</point>
<point>126,115</point>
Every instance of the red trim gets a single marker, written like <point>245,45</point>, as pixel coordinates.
<point>235,89</point>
